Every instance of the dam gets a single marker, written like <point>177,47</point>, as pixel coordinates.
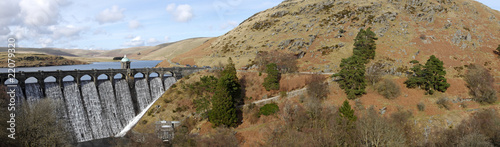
<point>96,108</point>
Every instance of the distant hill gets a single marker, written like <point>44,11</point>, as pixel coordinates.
<point>37,60</point>
<point>158,52</point>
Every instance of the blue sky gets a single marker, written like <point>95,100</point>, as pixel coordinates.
<point>113,24</point>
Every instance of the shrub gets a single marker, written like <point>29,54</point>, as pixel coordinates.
<point>443,103</point>
<point>317,87</point>
<point>144,122</point>
<point>423,37</point>
<point>283,94</point>
<point>375,130</point>
<point>498,51</point>
<point>271,82</point>
<point>474,139</point>
<point>482,129</point>
<point>358,105</point>
<point>269,109</point>
<point>421,106</point>
<point>374,73</point>
<point>480,83</point>
<point>388,89</point>
<point>285,62</point>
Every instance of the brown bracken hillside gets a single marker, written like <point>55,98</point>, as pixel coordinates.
<point>458,32</point>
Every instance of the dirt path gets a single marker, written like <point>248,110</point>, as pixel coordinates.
<point>276,98</point>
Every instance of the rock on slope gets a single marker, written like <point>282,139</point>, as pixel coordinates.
<point>458,32</point>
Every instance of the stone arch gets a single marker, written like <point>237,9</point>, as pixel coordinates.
<point>11,81</point>
<point>168,74</point>
<point>138,75</point>
<point>49,79</point>
<point>86,77</point>
<point>119,76</point>
<point>103,77</point>
<point>154,74</point>
<point>31,80</point>
<point>68,78</point>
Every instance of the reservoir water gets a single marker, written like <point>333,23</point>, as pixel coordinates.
<point>94,65</point>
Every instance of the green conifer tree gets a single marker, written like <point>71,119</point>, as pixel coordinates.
<point>223,101</point>
<point>364,45</point>
<point>345,111</point>
<point>417,75</point>
<point>271,82</point>
<point>352,77</point>
<point>434,76</point>
<point>430,76</point>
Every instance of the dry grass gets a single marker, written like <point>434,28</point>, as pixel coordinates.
<point>37,60</point>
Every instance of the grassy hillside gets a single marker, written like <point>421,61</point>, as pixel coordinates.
<point>159,52</point>
<point>37,60</point>
<point>458,32</point>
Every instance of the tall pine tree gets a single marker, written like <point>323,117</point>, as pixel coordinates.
<point>227,91</point>
<point>431,77</point>
<point>352,76</point>
<point>364,45</point>
<point>434,75</point>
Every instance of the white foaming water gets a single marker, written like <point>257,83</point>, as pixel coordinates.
<point>108,103</point>
<point>94,110</point>
<point>124,101</point>
<point>156,87</point>
<point>143,94</point>
<point>33,92</point>
<point>168,81</point>
<point>76,113</point>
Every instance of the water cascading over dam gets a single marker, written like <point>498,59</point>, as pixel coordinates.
<point>96,108</point>
<point>98,111</point>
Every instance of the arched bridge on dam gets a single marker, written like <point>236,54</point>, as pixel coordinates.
<point>96,108</point>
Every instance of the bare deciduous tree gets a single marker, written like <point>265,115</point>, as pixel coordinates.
<point>375,130</point>
<point>38,124</point>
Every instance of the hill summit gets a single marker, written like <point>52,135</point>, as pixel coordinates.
<point>458,32</point>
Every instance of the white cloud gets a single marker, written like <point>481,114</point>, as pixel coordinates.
<point>9,14</point>
<point>68,31</point>
<point>40,13</point>
<point>152,41</point>
<point>110,15</point>
<point>181,13</point>
<point>134,24</point>
<point>137,41</point>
